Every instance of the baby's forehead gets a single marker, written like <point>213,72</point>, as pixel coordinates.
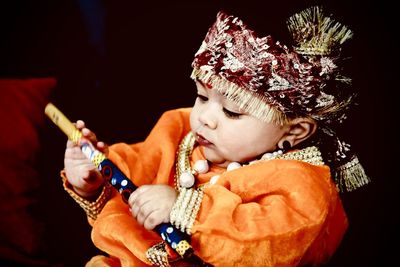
<point>220,91</point>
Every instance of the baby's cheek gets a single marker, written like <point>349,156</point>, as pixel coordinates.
<point>193,122</point>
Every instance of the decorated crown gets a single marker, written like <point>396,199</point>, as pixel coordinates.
<point>270,80</point>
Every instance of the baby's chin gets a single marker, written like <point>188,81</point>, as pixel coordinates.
<point>214,158</point>
<point>222,158</point>
<point>218,160</point>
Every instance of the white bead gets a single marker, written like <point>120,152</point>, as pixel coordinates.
<point>233,165</point>
<point>201,166</point>
<point>214,179</point>
<point>186,180</point>
<point>267,156</point>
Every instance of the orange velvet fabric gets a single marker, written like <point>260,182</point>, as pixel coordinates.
<point>272,213</point>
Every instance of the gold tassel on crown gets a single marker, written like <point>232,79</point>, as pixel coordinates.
<point>315,33</point>
<point>350,176</point>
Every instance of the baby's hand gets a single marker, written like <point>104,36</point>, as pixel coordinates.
<point>81,173</point>
<point>152,204</point>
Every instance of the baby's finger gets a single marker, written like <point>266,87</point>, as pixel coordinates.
<point>80,124</point>
<point>152,220</point>
<point>135,211</point>
<point>88,134</point>
<point>136,195</point>
<point>144,211</point>
<point>103,147</point>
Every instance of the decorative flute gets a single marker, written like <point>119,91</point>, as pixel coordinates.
<point>176,239</point>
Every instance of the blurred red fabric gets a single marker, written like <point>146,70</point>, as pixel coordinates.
<point>22,103</point>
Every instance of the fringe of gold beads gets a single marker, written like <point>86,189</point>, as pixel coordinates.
<point>158,255</point>
<point>351,176</point>
<point>310,155</point>
<point>185,209</point>
<point>187,205</point>
<point>182,157</point>
<point>92,208</point>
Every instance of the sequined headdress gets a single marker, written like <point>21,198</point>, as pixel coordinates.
<point>274,82</point>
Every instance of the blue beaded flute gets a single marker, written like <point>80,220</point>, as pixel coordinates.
<point>172,236</point>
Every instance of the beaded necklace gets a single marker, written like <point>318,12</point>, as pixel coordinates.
<point>185,175</point>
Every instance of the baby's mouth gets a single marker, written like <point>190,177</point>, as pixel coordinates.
<point>202,141</point>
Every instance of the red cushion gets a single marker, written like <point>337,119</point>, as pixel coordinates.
<point>22,103</point>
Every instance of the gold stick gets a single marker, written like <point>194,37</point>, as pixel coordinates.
<point>63,122</point>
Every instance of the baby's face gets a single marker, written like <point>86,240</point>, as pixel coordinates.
<point>228,134</point>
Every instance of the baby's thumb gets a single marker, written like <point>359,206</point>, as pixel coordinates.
<point>93,177</point>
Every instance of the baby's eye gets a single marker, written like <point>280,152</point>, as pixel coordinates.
<point>202,98</point>
<point>231,114</point>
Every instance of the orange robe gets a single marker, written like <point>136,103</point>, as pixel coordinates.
<point>273,213</point>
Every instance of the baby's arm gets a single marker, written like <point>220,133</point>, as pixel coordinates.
<point>268,213</point>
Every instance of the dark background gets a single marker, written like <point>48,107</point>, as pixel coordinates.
<point>120,64</point>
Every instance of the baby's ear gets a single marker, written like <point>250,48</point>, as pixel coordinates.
<point>299,130</point>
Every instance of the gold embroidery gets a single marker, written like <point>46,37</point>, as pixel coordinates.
<point>158,255</point>
<point>92,208</point>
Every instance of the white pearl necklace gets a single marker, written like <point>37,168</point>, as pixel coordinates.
<point>236,165</point>
<point>187,179</point>
<point>184,177</point>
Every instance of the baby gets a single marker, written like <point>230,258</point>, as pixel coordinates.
<point>252,172</point>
